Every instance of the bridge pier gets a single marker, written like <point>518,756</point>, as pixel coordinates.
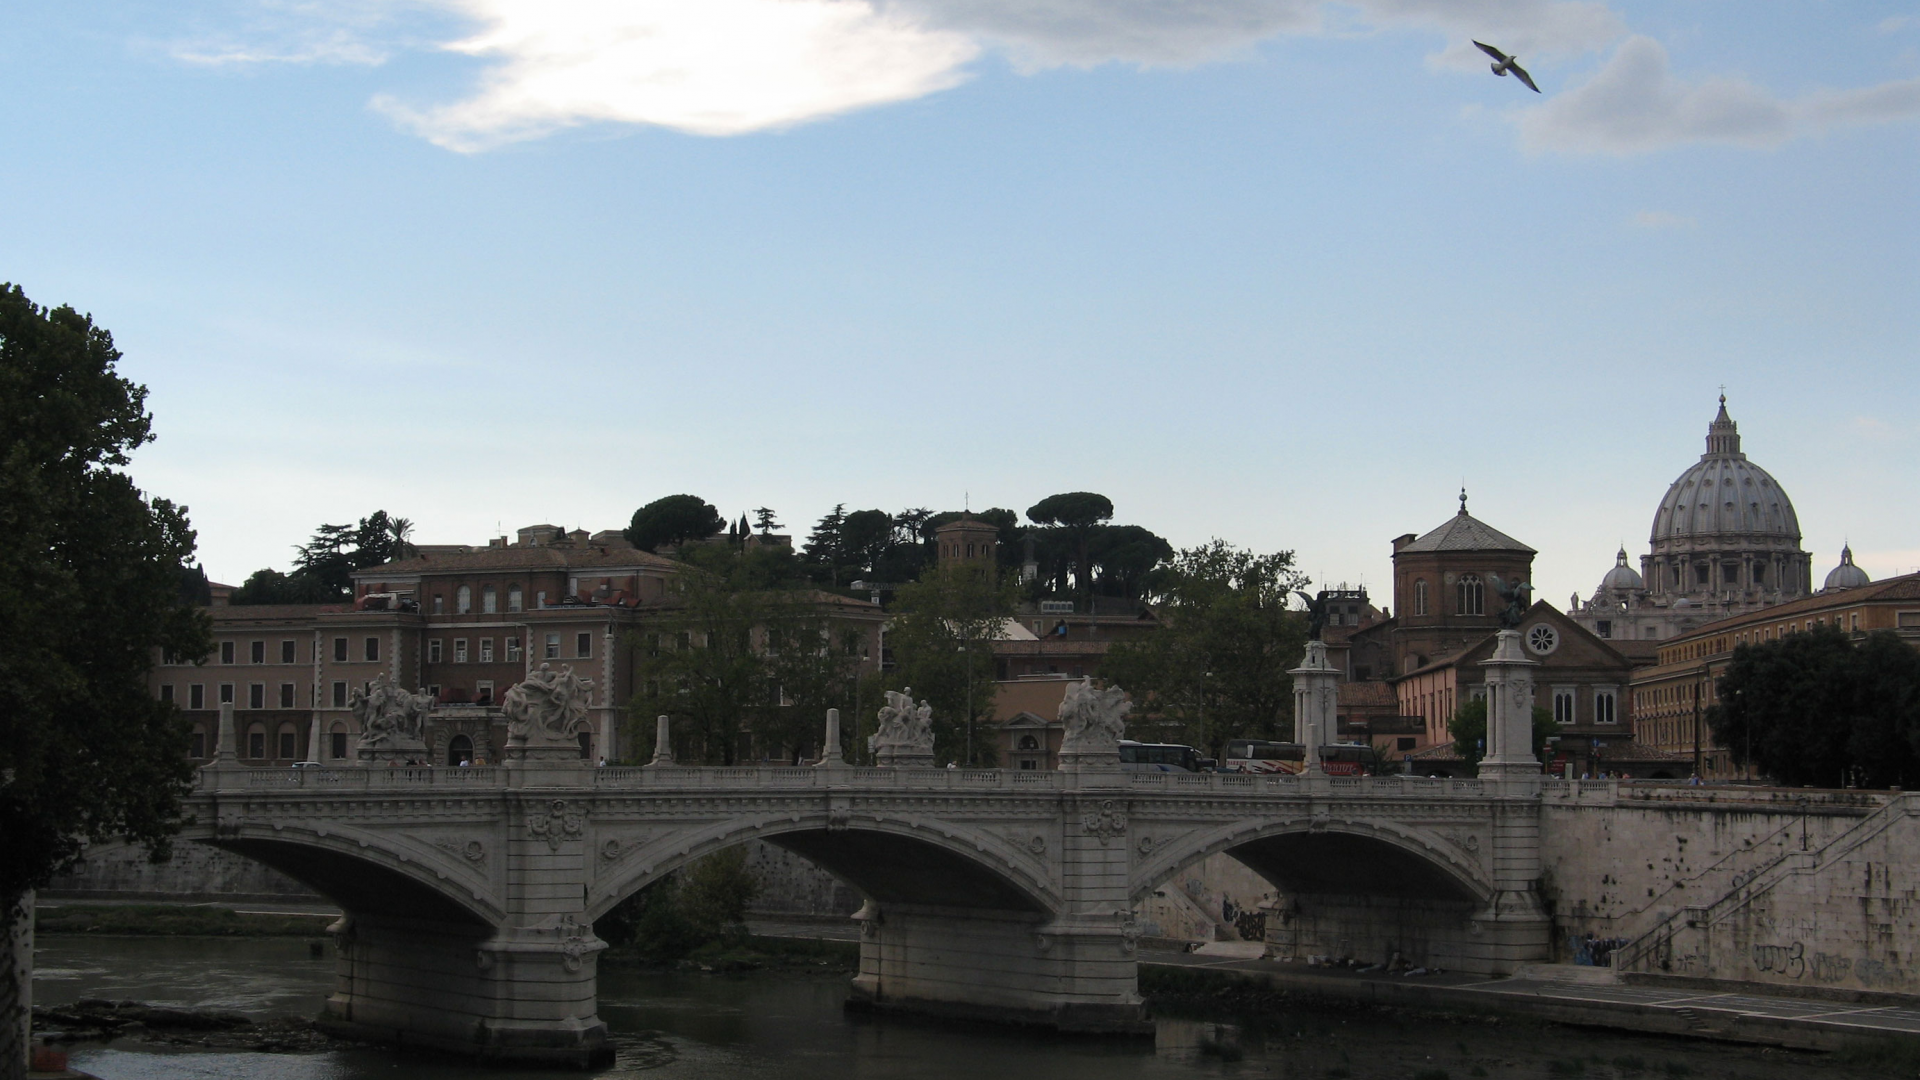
<point>518,994</point>
<point>1073,970</point>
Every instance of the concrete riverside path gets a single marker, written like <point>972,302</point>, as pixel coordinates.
<point>1597,997</point>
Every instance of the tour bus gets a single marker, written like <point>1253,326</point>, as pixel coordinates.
<point>1260,756</point>
<point>1161,757</point>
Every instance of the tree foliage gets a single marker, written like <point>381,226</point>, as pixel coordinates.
<point>1217,668</point>
<point>941,639</point>
<point>1816,708</point>
<point>324,566</point>
<point>675,519</point>
<point>703,902</point>
<point>94,578</point>
<point>1468,726</point>
<point>1076,514</point>
<point>745,662</point>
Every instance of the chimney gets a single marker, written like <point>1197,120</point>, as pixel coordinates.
<point>1402,541</point>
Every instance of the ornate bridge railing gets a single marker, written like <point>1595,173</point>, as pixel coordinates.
<point>619,778</point>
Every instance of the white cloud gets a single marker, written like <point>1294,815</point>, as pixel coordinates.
<point>1634,104</point>
<point>297,32</point>
<point>1661,219</point>
<point>711,67</point>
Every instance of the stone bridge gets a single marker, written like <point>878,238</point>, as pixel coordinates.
<point>471,893</point>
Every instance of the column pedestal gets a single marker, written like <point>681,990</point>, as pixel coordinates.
<point>1316,695</point>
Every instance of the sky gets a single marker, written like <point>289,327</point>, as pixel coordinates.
<point>1281,272</point>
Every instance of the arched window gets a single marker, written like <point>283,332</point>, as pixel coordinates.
<point>1420,597</point>
<point>514,602</point>
<point>460,751</point>
<point>1027,742</point>
<point>463,600</point>
<point>1471,595</point>
<point>337,741</point>
<point>489,600</point>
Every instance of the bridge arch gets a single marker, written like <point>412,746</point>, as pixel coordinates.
<point>890,859</point>
<point>366,873</point>
<point>1303,855</point>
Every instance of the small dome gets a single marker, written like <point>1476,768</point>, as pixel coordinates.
<point>1621,579</point>
<point>1847,575</point>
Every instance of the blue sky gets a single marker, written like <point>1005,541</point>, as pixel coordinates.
<point>1276,271</point>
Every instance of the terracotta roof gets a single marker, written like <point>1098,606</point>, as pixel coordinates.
<point>1464,532</point>
<point>1369,692</point>
<point>1906,587</point>
<point>239,612</point>
<point>519,558</point>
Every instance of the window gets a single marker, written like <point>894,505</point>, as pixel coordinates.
<point>540,598</point>
<point>226,652</point>
<point>286,695</point>
<point>340,695</point>
<point>553,647</point>
<point>1856,622</point>
<point>1562,705</point>
<point>1701,571</point>
<point>489,600</point>
<point>199,745</point>
<point>1603,628</point>
<point>286,744</point>
<point>515,600</point>
<point>459,650</point>
<point>256,695</point>
<point>257,743</point>
<point>1405,742</point>
<point>483,692</point>
<point>433,650</point>
<point>1759,574</point>
<point>486,650</point>
<point>583,646</point>
<point>1420,597</point>
<point>373,648</point>
<point>226,693</point>
<point>166,693</point>
<point>1603,707</point>
<point>463,600</point>
<point>196,696</point>
<point>338,737</point>
<point>1470,595</point>
<point>339,650</point>
<point>513,649</point>
<point>289,652</point>
<point>1028,742</point>
<point>257,653</point>
<point>439,604</point>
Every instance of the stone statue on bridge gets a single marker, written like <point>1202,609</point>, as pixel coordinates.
<point>392,721</point>
<point>1095,720</point>
<point>905,737</point>
<point>547,710</point>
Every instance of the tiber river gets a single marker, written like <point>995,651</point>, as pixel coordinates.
<point>675,1026</point>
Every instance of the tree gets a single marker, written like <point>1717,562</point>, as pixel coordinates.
<point>1468,726</point>
<point>763,520</point>
<point>823,548</point>
<point>675,519</point>
<point>323,569</point>
<point>1217,668</point>
<point>1123,556</point>
<point>1814,708</point>
<point>941,637</point>
<point>747,660</point>
<point>1078,513</point>
<point>93,577</point>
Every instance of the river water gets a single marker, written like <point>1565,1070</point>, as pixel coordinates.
<point>690,1026</point>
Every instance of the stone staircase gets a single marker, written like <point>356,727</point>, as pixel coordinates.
<point>1685,931</point>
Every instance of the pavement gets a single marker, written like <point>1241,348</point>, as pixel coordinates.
<point>1575,995</point>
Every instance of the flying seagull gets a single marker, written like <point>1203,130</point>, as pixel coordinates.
<point>1502,63</point>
